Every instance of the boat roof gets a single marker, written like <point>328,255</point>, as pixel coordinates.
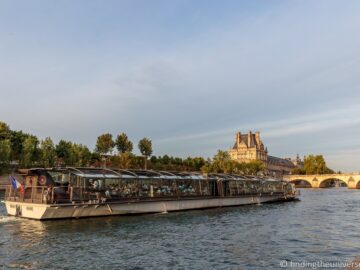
<point>112,173</point>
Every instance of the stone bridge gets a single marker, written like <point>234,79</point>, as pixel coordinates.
<point>352,180</point>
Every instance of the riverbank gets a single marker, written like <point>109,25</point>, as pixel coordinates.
<point>4,181</point>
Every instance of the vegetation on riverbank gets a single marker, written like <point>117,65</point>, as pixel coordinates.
<point>23,150</point>
<point>313,164</point>
<point>222,163</point>
<point>19,149</point>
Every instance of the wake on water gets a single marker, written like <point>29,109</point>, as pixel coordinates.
<point>5,219</point>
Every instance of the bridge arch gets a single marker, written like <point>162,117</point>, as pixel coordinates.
<point>354,183</point>
<point>315,182</point>
<point>299,182</point>
<point>352,180</point>
<point>332,181</point>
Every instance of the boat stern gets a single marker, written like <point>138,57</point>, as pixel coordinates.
<point>26,210</point>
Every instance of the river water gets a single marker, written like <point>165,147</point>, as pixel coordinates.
<point>321,228</point>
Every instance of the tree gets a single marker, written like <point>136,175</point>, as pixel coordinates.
<point>64,152</point>
<point>48,153</point>
<point>5,153</point>
<point>104,144</point>
<point>220,160</point>
<point>298,171</point>
<point>95,159</point>
<point>222,163</point>
<point>197,163</point>
<point>31,152</point>
<point>165,160</point>
<point>82,154</point>
<point>17,139</point>
<point>125,160</point>
<point>316,165</point>
<point>4,131</point>
<point>123,144</point>
<point>254,167</point>
<point>145,147</point>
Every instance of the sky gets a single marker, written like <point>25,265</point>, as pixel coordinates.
<point>187,74</point>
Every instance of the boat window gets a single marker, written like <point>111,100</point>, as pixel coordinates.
<point>226,188</point>
<point>188,187</point>
<point>213,188</point>
<point>60,177</point>
<point>204,187</point>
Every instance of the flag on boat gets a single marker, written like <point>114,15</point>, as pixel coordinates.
<point>15,183</point>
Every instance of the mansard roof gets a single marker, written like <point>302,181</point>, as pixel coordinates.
<point>280,161</point>
<point>244,139</point>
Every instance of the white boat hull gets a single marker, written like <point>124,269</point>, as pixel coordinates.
<point>58,211</point>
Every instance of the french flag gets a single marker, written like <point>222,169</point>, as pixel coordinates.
<point>15,183</point>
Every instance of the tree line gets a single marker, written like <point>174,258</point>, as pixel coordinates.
<point>222,163</point>
<point>19,149</point>
<point>314,164</point>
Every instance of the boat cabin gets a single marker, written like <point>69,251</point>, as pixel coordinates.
<point>99,185</point>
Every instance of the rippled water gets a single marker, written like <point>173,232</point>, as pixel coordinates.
<point>322,226</point>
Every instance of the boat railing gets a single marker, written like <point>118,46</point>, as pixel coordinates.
<point>65,194</point>
<point>35,194</point>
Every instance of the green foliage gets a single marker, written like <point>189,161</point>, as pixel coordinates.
<point>104,144</point>
<point>17,139</point>
<point>5,151</point>
<point>145,147</point>
<point>22,147</point>
<point>4,131</point>
<point>316,165</point>
<point>72,154</point>
<point>5,154</point>
<point>126,160</point>
<point>123,144</point>
<point>26,149</point>
<point>64,153</point>
<point>169,163</point>
<point>30,152</point>
<point>48,153</point>
<point>222,163</point>
<point>300,171</point>
<point>81,155</point>
<point>95,159</point>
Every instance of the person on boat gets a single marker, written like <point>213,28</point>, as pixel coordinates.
<point>47,194</point>
<point>22,188</point>
<point>96,184</point>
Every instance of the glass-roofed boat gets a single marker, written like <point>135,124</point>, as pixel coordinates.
<point>86,192</point>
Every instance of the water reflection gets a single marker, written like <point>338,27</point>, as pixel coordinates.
<point>323,225</point>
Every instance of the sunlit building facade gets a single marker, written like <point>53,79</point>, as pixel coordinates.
<point>249,147</point>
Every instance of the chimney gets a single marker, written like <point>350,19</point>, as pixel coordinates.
<point>238,139</point>
<point>249,138</point>
<point>257,137</point>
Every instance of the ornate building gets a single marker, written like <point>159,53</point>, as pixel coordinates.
<point>249,147</point>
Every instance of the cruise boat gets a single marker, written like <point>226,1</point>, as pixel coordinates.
<point>88,192</point>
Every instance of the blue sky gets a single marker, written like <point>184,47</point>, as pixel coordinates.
<point>187,74</point>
